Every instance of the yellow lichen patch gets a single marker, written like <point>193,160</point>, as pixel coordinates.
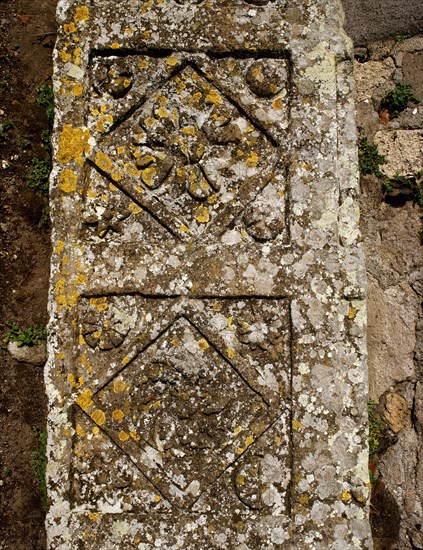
<point>184,228</point>
<point>296,424</point>
<point>100,303</point>
<point>346,496</point>
<point>238,430</point>
<point>281,193</point>
<point>189,130</point>
<point>73,145</point>
<point>304,499</point>
<point>79,430</point>
<point>203,344</point>
<point>158,498</point>
<point>240,479</point>
<point>64,56</point>
<point>115,45</point>
<point>202,215</point>
<point>128,31</point>
<point>252,160</point>
<point>162,112</point>
<point>249,440</point>
<point>213,97</point>
<point>69,28</point>
<point>147,34</point>
<point>99,417</point>
<point>278,441</point>
<point>106,120</point>
<point>67,181</point>
<point>82,13</point>
<point>217,307</point>
<point>118,415</point>
<point>230,353</point>
<point>95,430</point>
<point>134,208</point>
<point>212,199</point>
<point>134,436</point>
<point>123,436</point>
<point>94,517</point>
<point>84,399</point>
<point>172,61</point>
<point>352,312</point>
<point>59,247</point>
<point>119,386</point>
<point>76,382</point>
<point>142,64</point>
<point>148,175</point>
<point>126,360</point>
<point>78,89</point>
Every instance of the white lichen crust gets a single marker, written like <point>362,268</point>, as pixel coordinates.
<point>207,369</point>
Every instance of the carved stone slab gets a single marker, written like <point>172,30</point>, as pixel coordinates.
<point>207,375</point>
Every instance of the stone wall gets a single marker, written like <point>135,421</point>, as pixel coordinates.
<point>391,228</point>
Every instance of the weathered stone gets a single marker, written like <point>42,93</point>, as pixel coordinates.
<point>403,150</point>
<point>34,355</point>
<point>372,76</point>
<point>396,412</point>
<point>207,379</point>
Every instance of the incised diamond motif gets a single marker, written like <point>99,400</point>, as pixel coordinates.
<point>187,155</point>
<point>182,412</point>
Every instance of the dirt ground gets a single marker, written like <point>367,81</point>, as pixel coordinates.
<point>26,42</point>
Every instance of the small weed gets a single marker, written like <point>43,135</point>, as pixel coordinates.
<point>24,144</point>
<point>38,175</point>
<point>46,99</point>
<point>375,427</point>
<point>369,158</point>
<point>25,337</point>
<point>39,461</point>
<point>397,99</point>
<point>405,187</point>
<point>401,37</point>
<point>387,185</point>
<point>46,139</point>
<point>45,217</point>
<point>6,126</point>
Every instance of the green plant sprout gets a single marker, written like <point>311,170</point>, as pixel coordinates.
<point>30,336</point>
<point>39,461</point>
<point>375,427</point>
<point>369,158</point>
<point>38,175</point>
<point>396,100</point>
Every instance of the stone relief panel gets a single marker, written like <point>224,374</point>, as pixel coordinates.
<point>199,384</point>
<point>186,147</point>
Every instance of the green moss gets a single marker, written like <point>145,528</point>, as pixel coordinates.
<point>401,37</point>
<point>375,427</point>
<point>369,158</point>
<point>25,337</point>
<point>38,175</point>
<point>39,462</point>
<point>46,99</point>
<point>397,99</point>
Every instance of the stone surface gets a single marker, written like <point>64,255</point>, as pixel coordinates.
<point>368,20</point>
<point>35,355</point>
<point>403,149</point>
<point>395,321</point>
<point>207,377</point>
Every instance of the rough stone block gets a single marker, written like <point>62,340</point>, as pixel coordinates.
<point>207,376</point>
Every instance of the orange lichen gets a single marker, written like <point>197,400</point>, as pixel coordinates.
<point>99,417</point>
<point>73,145</point>
<point>84,400</point>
